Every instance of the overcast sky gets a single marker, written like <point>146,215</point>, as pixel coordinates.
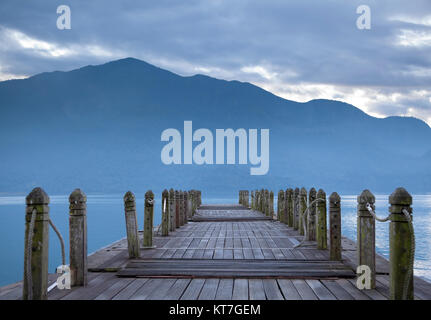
<point>299,50</point>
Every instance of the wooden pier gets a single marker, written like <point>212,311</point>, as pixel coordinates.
<point>225,252</point>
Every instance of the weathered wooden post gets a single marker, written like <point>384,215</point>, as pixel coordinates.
<point>182,209</point>
<point>192,202</point>
<point>289,207</point>
<point>186,207</point>
<point>195,201</point>
<point>271,204</point>
<point>262,200</point>
<point>247,199</point>
<point>400,244</point>
<point>321,227</point>
<point>285,210</point>
<point>302,208</point>
<point>165,213</point>
<point>366,234</point>
<point>185,199</point>
<point>199,198</point>
<point>311,222</point>
<point>335,226</point>
<point>189,205</point>
<point>296,209</point>
<point>148,219</point>
<point>172,209</point>
<point>37,231</point>
<point>177,209</point>
<point>252,199</point>
<point>266,204</point>
<point>131,225</point>
<point>280,205</point>
<point>259,200</point>
<point>256,199</point>
<point>78,238</point>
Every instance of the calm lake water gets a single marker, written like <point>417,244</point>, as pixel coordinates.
<point>106,224</point>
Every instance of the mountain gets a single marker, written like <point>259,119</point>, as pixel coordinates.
<point>99,128</point>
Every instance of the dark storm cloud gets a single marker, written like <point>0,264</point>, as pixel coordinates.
<point>286,46</point>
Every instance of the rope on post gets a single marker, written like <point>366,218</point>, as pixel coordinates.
<point>28,275</point>
<point>370,210</point>
<point>63,254</point>
<point>412,255</point>
<point>304,217</point>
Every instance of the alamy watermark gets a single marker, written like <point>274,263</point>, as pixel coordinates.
<point>363,22</point>
<point>203,153</point>
<point>364,277</point>
<point>63,279</point>
<point>64,20</point>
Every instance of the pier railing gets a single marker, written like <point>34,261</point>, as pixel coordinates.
<point>177,207</point>
<point>299,210</point>
<point>309,217</point>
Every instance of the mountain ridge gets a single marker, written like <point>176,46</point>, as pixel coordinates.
<point>114,114</point>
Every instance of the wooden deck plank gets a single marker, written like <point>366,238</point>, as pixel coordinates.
<point>177,289</point>
<point>225,289</point>
<point>129,290</point>
<point>372,293</point>
<point>113,290</point>
<point>93,289</point>
<point>240,289</point>
<point>304,290</point>
<point>338,291</point>
<point>256,289</point>
<point>193,290</point>
<point>320,290</point>
<point>162,289</point>
<point>288,289</point>
<point>147,289</point>
<point>209,289</point>
<point>352,290</point>
<point>272,291</point>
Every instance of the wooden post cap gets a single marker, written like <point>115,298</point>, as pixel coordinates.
<point>129,197</point>
<point>303,192</point>
<point>321,194</point>
<point>312,192</point>
<point>149,198</point>
<point>37,196</point>
<point>334,198</point>
<point>77,201</point>
<point>400,197</point>
<point>366,197</point>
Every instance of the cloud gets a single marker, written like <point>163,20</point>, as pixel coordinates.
<point>414,38</point>
<point>16,40</point>
<point>291,48</point>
